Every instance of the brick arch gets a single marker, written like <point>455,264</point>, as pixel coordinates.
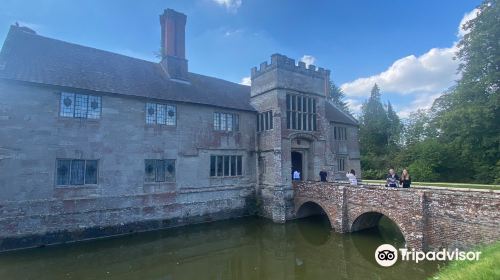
<point>400,223</point>
<point>324,206</point>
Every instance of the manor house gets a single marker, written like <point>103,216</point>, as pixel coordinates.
<point>100,143</point>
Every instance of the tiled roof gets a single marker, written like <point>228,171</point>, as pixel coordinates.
<point>334,114</point>
<point>29,57</point>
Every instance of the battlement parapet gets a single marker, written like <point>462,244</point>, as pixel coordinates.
<point>283,62</point>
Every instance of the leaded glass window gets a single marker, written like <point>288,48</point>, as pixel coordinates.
<point>76,172</point>
<point>229,120</point>
<point>301,112</point>
<point>91,172</point>
<point>83,106</point>
<point>63,175</point>
<point>341,163</point>
<point>160,113</point>
<point>67,104</point>
<point>226,122</point>
<point>265,121</point>
<point>163,114</point>
<point>159,170</point>
<point>340,133</point>
<point>226,166</point>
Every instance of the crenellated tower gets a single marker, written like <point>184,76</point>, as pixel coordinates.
<point>292,129</point>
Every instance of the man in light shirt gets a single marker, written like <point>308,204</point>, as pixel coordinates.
<point>296,175</point>
<point>352,177</point>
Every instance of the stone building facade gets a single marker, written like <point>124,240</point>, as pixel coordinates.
<point>94,143</point>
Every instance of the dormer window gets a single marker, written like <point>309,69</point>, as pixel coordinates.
<point>83,106</point>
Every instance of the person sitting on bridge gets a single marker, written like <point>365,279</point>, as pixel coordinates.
<point>392,179</point>
<point>405,180</point>
<point>323,175</point>
<point>352,177</point>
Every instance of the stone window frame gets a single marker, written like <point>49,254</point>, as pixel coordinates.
<point>220,165</point>
<point>159,114</point>
<point>222,121</point>
<point>166,167</point>
<point>72,182</point>
<point>340,133</point>
<point>341,162</point>
<point>89,106</point>
<point>301,112</point>
<point>265,121</point>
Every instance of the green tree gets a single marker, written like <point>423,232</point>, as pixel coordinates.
<point>374,135</point>
<point>395,127</point>
<point>458,139</point>
<point>337,97</point>
<point>418,127</point>
<point>374,124</point>
<point>468,116</point>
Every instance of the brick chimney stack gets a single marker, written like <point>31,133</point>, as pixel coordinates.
<point>173,40</point>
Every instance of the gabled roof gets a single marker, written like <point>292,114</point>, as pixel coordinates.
<point>28,57</point>
<point>336,115</point>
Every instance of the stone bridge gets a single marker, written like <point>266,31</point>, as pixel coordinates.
<point>429,218</point>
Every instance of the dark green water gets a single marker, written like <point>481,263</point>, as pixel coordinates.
<point>248,248</point>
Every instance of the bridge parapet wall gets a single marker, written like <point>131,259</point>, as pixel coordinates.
<point>461,219</point>
<point>330,197</point>
<point>403,206</point>
<point>429,218</point>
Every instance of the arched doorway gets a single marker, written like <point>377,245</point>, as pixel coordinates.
<point>297,164</point>
<point>302,156</point>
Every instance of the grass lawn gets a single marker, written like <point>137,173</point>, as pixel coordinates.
<point>449,185</point>
<point>487,267</point>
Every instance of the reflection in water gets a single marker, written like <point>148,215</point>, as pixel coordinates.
<point>315,229</point>
<point>249,248</point>
<point>366,241</point>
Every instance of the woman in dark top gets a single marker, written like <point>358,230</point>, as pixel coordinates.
<point>405,180</point>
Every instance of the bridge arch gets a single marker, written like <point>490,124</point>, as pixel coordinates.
<point>312,207</point>
<point>370,218</point>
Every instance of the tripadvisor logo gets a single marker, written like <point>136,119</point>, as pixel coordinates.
<point>387,255</point>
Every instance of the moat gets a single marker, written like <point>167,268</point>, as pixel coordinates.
<point>246,248</point>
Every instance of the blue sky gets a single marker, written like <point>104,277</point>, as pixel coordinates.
<point>405,46</point>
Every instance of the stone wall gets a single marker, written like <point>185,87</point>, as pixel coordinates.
<point>270,85</point>
<point>33,135</point>
<point>429,218</point>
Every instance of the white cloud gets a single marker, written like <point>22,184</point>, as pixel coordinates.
<point>468,16</point>
<point>420,102</point>
<point>230,5</point>
<point>432,72</point>
<point>234,32</point>
<point>308,59</point>
<point>246,81</point>
<point>421,79</point>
